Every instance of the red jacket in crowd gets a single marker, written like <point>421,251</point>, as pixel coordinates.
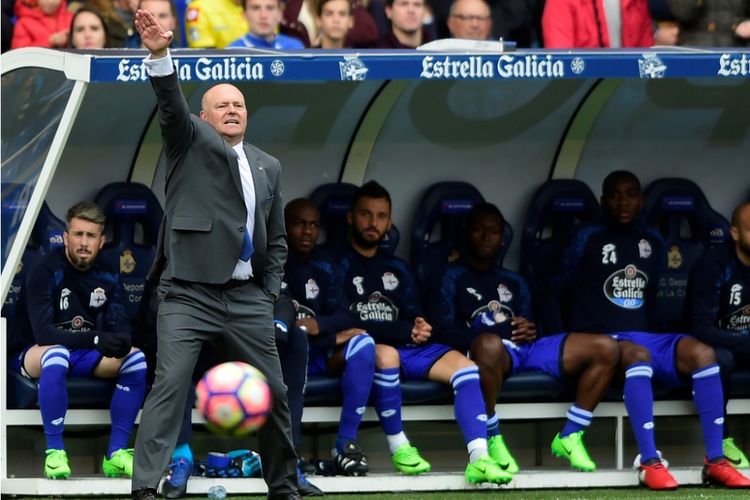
<point>582,23</point>
<point>33,27</point>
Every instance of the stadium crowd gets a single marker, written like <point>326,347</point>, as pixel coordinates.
<point>403,24</point>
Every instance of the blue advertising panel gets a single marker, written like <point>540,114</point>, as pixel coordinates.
<point>247,65</point>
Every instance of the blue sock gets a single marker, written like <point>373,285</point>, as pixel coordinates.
<point>468,406</point>
<point>127,400</point>
<point>493,426</point>
<point>182,451</point>
<point>386,395</point>
<point>578,419</point>
<point>709,401</point>
<point>639,401</point>
<point>355,386</point>
<point>53,395</point>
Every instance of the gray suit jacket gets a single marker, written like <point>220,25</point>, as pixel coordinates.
<point>205,211</point>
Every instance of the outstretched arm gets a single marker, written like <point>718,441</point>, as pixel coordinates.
<point>153,36</point>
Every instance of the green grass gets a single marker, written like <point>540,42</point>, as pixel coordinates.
<point>685,493</point>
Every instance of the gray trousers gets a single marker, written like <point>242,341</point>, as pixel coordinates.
<point>239,324</point>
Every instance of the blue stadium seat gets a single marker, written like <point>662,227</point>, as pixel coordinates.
<point>133,218</point>
<point>334,201</point>
<point>438,231</point>
<point>557,207</point>
<point>46,234</point>
<point>679,210</point>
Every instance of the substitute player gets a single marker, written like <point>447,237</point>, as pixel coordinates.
<point>485,309</point>
<point>607,273</point>
<point>382,296</point>
<point>78,327</point>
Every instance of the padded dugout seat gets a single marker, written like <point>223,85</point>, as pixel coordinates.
<point>133,219</point>
<point>556,209</point>
<point>679,210</point>
<point>334,201</point>
<point>438,230</point>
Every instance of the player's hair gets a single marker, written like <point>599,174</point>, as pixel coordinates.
<point>87,211</point>
<point>321,3</point>
<point>371,189</point>
<point>608,185</point>
<point>296,204</point>
<point>736,213</point>
<point>484,208</point>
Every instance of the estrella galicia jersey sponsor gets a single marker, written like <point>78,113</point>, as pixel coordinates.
<point>68,307</point>
<point>316,292</point>
<point>607,273</point>
<point>382,297</point>
<point>719,293</point>
<point>470,302</point>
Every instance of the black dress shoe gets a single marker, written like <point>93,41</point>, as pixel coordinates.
<point>284,496</point>
<point>144,494</point>
<point>310,490</point>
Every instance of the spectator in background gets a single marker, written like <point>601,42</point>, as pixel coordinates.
<point>711,23</point>
<point>597,24</point>
<point>214,23</point>
<point>88,30</point>
<point>117,17</point>
<point>511,19</point>
<point>164,12</point>
<point>41,23</point>
<point>264,17</point>
<point>666,30</point>
<point>334,20</point>
<point>470,19</point>
<point>78,327</point>
<point>300,20</point>
<point>718,304</point>
<point>407,31</point>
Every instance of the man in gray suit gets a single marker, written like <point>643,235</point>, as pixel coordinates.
<point>225,246</point>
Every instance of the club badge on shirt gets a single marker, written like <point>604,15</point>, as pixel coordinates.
<point>504,293</point>
<point>311,289</point>
<point>390,282</point>
<point>98,297</point>
<point>644,249</point>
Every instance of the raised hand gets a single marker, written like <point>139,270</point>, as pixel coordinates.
<point>155,38</point>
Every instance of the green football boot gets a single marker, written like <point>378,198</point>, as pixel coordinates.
<point>120,464</point>
<point>56,464</point>
<point>571,447</point>
<point>407,460</point>
<point>734,454</point>
<point>500,454</point>
<point>486,470</point>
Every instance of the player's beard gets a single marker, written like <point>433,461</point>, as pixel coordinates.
<point>363,242</point>
<point>81,263</point>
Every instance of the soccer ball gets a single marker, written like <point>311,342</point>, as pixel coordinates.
<point>234,398</point>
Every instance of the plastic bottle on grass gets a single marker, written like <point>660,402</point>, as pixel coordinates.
<point>217,492</point>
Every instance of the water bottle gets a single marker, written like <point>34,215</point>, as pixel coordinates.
<point>217,492</point>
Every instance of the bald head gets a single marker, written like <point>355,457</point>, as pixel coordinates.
<point>223,107</point>
<point>740,232</point>
<point>470,19</point>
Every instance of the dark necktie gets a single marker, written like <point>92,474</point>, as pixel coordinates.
<point>247,246</point>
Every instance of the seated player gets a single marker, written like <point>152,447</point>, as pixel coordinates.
<point>605,274</point>
<point>77,327</point>
<point>718,301</point>
<point>336,347</point>
<point>485,309</point>
<point>381,291</point>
